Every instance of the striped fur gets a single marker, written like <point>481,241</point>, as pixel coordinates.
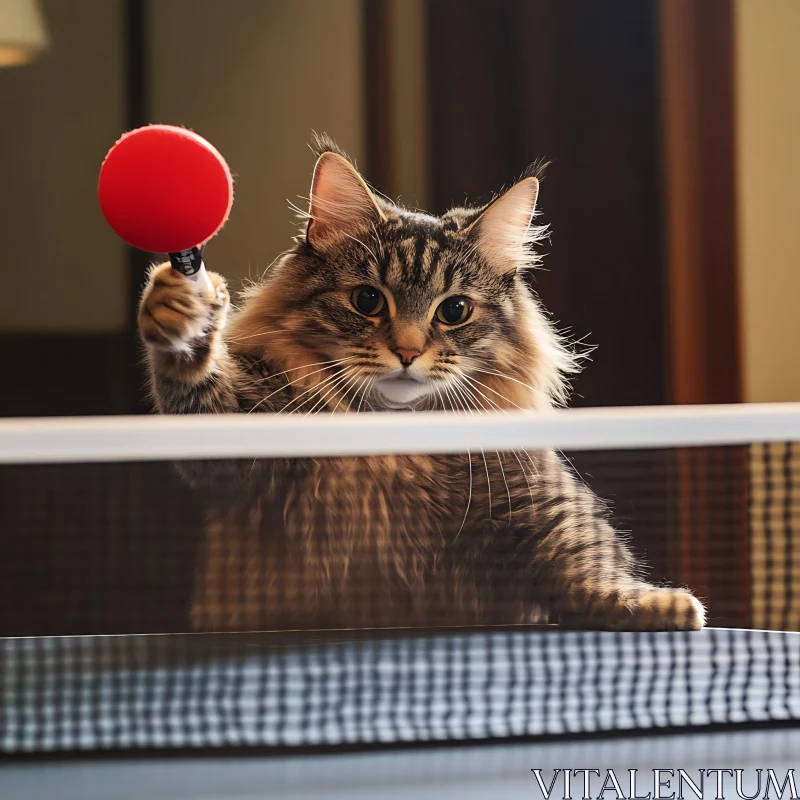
<point>392,541</point>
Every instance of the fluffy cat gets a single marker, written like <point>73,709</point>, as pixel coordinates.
<point>377,308</point>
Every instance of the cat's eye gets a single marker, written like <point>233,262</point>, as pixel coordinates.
<point>454,310</point>
<point>368,300</point>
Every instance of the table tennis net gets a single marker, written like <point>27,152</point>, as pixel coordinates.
<point>103,646</point>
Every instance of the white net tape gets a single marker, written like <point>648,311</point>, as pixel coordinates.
<point>96,439</point>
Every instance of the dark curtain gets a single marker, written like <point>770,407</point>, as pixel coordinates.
<point>575,82</point>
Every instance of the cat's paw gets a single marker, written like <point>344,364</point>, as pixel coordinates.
<point>176,313</point>
<point>660,609</point>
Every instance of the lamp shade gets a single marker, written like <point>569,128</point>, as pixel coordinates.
<point>23,34</point>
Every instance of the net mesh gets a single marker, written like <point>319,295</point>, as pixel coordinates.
<point>96,558</point>
<point>251,690</point>
<point>116,548</point>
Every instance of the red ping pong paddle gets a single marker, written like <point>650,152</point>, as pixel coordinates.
<point>165,189</point>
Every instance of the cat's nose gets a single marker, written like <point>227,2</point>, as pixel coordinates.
<point>406,356</point>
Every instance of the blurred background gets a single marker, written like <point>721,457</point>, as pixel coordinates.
<point>673,127</point>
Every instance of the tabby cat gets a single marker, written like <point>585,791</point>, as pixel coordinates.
<point>378,309</point>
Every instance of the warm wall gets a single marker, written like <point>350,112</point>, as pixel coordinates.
<point>768,164</point>
<point>269,72</point>
<point>409,92</point>
<point>62,269</point>
<point>768,133</point>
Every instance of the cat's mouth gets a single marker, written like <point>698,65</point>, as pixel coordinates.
<point>402,389</point>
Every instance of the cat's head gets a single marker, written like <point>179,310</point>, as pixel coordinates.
<point>379,307</point>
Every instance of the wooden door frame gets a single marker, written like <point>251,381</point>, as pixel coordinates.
<point>697,69</point>
<point>697,73</point>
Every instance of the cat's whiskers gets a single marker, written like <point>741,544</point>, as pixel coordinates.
<point>502,410</point>
<point>449,390</point>
<point>296,380</point>
<point>474,380</point>
<point>469,495</point>
<point>503,375</point>
<point>470,398</point>
<point>331,389</point>
<point>469,457</point>
<point>315,390</point>
<point>322,392</point>
<point>364,394</point>
<point>365,387</point>
<point>347,390</point>
<point>357,391</point>
<point>350,389</point>
<point>502,396</point>
<point>263,379</point>
<point>494,406</point>
<point>471,393</point>
<point>260,332</point>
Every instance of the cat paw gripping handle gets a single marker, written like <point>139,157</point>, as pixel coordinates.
<point>164,189</point>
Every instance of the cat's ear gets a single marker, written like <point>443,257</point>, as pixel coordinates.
<point>504,232</point>
<point>341,202</point>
